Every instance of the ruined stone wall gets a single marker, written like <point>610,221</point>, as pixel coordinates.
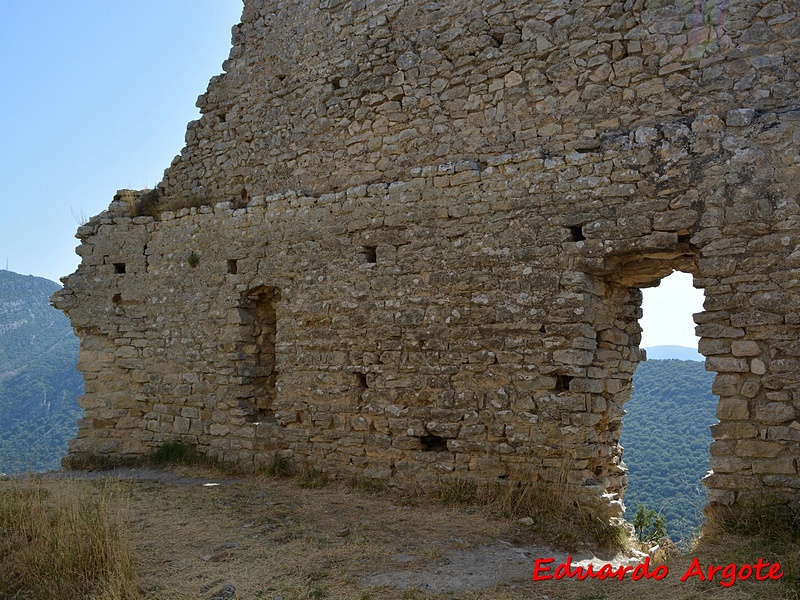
<point>321,95</point>
<point>452,290</point>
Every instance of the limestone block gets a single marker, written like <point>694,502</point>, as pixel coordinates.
<point>724,497</point>
<point>728,464</point>
<point>573,357</point>
<point>180,425</point>
<point>675,220</point>
<point>190,412</point>
<point>776,466</point>
<point>757,448</point>
<point>446,430</point>
<point>129,422</point>
<point>472,432</point>
<point>791,433</point>
<point>750,389</point>
<point>733,409</point>
<point>716,330</point>
<point>722,447</point>
<point>740,117</point>
<point>709,347</point>
<point>126,352</point>
<point>586,419</point>
<point>736,430</point>
<point>91,401</point>
<point>726,384</point>
<point>216,429</point>
<point>745,348</point>
<point>723,364</point>
<point>108,447</point>
<point>775,413</point>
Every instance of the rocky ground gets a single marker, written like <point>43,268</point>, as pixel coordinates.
<point>205,535</point>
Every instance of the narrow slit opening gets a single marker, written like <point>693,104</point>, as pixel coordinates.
<point>361,380</point>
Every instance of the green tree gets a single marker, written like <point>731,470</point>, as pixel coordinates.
<point>650,526</point>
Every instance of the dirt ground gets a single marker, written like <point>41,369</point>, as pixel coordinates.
<point>210,536</point>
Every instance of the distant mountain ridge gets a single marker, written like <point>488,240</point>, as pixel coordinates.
<point>39,382</point>
<point>676,352</point>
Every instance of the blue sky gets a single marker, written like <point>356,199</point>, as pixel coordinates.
<point>668,309</point>
<point>96,95</point>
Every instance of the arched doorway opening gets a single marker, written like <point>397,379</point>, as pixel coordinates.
<point>665,434</point>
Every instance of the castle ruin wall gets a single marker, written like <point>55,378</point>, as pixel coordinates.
<point>406,241</point>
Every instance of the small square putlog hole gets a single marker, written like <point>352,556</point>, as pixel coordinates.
<point>370,254</point>
<point>361,380</point>
<point>433,443</point>
<point>119,268</point>
<point>576,233</point>
<point>233,267</point>
<point>562,383</point>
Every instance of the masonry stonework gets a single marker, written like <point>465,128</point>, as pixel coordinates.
<point>406,241</point>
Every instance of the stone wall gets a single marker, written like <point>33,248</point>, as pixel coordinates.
<point>452,290</point>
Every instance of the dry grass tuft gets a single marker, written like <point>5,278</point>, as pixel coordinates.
<point>768,519</point>
<point>369,487</point>
<point>311,478</point>
<point>768,528</point>
<point>63,542</point>
<point>459,492</point>
<point>279,466</point>
<point>554,517</point>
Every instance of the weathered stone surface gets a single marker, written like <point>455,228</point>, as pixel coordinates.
<point>745,348</point>
<point>775,413</point>
<point>406,240</point>
<point>756,448</point>
<point>740,117</point>
<point>733,409</point>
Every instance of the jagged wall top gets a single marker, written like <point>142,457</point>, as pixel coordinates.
<point>319,95</point>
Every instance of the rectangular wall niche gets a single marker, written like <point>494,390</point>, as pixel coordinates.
<point>258,360</point>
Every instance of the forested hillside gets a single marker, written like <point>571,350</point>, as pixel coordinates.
<point>39,384</point>
<point>666,439</point>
